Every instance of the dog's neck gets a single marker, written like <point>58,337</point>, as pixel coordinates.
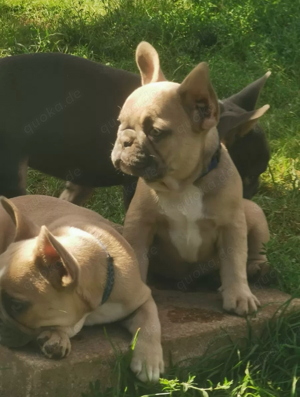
<point>207,162</point>
<point>110,274</point>
<point>214,161</point>
<point>96,270</point>
<point>96,289</point>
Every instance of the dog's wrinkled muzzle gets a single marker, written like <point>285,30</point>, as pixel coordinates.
<point>137,160</point>
<point>149,170</point>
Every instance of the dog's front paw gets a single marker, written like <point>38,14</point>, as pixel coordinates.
<point>54,344</point>
<point>147,361</point>
<point>239,299</point>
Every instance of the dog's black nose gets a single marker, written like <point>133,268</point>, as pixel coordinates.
<point>117,163</point>
<point>127,143</point>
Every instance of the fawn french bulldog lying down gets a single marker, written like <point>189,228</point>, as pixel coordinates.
<point>63,267</point>
<point>188,200</point>
<point>58,114</point>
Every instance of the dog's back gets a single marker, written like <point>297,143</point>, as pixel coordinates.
<point>51,212</point>
<point>58,110</point>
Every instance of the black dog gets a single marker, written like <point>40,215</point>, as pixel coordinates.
<point>245,140</point>
<point>58,114</point>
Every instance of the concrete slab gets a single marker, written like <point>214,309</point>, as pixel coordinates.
<point>191,321</point>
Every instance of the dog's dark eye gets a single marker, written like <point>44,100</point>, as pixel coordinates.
<point>13,306</point>
<point>17,307</point>
<point>155,132</point>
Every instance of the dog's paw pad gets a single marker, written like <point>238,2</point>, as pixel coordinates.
<point>147,372</point>
<point>42,340</point>
<point>54,350</point>
<point>240,301</point>
<point>136,366</point>
<point>54,344</point>
<point>148,363</point>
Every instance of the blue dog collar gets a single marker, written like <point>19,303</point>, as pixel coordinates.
<point>110,278</point>
<point>213,162</point>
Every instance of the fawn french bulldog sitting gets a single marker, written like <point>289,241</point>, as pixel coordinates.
<point>62,267</point>
<point>188,200</point>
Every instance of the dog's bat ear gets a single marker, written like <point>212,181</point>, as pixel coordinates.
<point>199,98</point>
<point>247,98</point>
<point>232,124</point>
<point>25,228</point>
<point>147,60</point>
<point>55,263</point>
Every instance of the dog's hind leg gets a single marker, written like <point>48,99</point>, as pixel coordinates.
<point>13,173</point>
<point>258,235</point>
<point>147,360</point>
<point>76,194</point>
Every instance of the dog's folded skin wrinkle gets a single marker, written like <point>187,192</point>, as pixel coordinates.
<point>194,213</point>
<point>68,267</point>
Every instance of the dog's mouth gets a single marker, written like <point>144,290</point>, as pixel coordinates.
<point>150,173</point>
<point>142,165</point>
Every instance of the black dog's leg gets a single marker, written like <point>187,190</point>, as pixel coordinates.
<point>76,194</point>
<point>13,172</point>
<point>129,186</point>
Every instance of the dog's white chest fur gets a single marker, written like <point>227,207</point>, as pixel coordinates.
<point>183,210</point>
<point>107,313</point>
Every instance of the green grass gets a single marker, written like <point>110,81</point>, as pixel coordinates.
<point>240,40</point>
